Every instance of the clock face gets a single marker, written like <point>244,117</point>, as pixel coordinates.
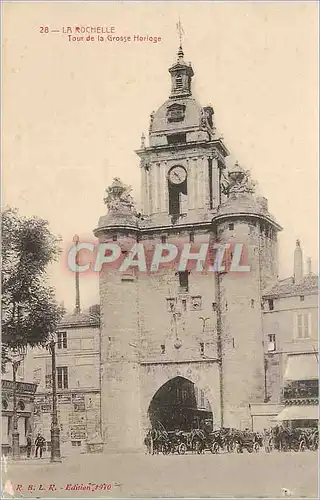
<point>177,175</point>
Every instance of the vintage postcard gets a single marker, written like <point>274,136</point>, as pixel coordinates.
<point>159,249</point>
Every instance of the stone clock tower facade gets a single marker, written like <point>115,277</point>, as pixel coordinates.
<point>183,348</point>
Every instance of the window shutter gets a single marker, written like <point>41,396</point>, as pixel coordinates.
<point>309,326</point>
<point>295,326</point>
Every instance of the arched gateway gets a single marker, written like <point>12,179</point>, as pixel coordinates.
<point>180,404</point>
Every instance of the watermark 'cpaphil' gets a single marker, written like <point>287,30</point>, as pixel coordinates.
<point>150,257</point>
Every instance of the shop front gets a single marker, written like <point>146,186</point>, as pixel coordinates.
<point>25,411</point>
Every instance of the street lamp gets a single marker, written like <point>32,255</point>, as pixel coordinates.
<point>17,356</point>
<point>55,431</point>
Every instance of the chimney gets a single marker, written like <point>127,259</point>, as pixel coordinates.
<point>309,266</point>
<point>298,263</point>
<point>77,309</point>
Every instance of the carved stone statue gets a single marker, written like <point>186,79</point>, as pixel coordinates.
<point>207,124</point>
<point>118,198</point>
<point>240,181</point>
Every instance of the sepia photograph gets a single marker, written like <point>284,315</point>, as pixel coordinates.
<point>159,240</point>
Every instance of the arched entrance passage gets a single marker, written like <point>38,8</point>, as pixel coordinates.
<point>179,404</point>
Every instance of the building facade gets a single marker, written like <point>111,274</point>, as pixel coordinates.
<point>171,328</point>
<point>290,322</point>
<point>78,383</point>
<point>25,411</point>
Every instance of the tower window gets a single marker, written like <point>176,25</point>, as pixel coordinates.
<point>177,138</point>
<point>179,82</point>
<point>252,302</point>
<point>202,348</point>
<point>231,226</point>
<point>184,304</point>
<point>184,280</point>
<point>163,349</point>
<point>271,304</point>
<point>163,239</point>
<point>191,237</point>
<point>176,113</point>
<point>114,237</point>
<point>171,304</point>
<point>301,298</point>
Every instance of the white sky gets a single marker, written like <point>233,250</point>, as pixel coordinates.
<point>73,113</point>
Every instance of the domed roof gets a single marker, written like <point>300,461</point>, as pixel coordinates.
<point>129,220</point>
<point>188,116</point>
<point>246,204</point>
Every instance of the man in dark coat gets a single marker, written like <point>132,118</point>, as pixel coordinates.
<point>40,443</point>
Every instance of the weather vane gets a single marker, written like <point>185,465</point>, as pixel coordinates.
<point>180,31</point>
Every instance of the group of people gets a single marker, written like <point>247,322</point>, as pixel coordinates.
<point>39,445</point>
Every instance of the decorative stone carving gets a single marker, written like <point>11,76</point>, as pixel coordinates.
<point>151,121</point>
<point>176,112</point>
<point>118,198</point>
<point>177,344</point>
<point>196,303</point>
<point>207,120</point>
<point>240,181</point>
<point>171,304</point>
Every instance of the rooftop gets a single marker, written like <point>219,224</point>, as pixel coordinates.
<point>81,320</point>
<point>288,288</point>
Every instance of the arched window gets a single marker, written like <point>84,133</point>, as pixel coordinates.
<point>179,82</point>
<point>4,404</point>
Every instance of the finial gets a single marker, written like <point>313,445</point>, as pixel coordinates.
<point>143,141</point>
<point>297,243</point>
<point>180,54</point>
<point>181,32</point>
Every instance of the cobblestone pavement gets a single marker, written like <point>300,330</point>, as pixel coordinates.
<point>227,475</point>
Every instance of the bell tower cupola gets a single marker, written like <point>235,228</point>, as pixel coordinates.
<point>183,157</point>
<point>181,75</point>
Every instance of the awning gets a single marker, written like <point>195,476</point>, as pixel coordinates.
<point>302,367</point>
<point>298,413</point>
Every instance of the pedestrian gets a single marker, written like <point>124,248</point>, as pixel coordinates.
<point>29,445</point>
<point>39,442</point>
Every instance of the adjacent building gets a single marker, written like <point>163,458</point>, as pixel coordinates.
<point>290,327</point>
<point>290,321</point>
<point>78,382</point>
<point>25,410</point>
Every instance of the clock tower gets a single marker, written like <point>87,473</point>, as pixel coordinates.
<point>182,166</point>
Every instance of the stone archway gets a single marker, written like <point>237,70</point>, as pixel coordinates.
<point>180,405</point>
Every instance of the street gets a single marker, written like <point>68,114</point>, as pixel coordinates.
<point>128,475</point>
